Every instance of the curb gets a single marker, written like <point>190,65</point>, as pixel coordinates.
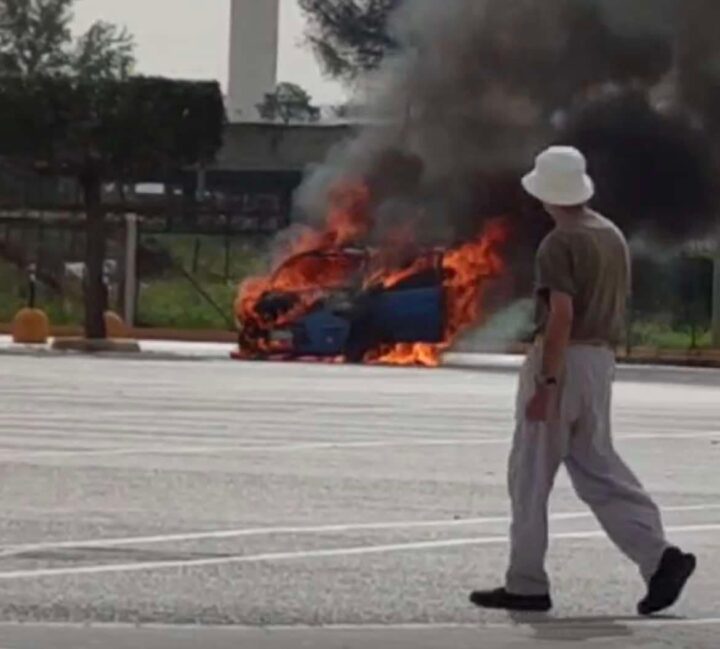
<point>495,362</point>
<point>90,346</point>
<point>170,350</point>
<point>47,352</point>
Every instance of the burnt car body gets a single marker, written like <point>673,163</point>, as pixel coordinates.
<point>350,317</point>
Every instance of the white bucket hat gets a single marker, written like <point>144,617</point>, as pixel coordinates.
<point>560,178</point>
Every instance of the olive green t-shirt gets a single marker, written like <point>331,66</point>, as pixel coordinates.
<point>590,261</point>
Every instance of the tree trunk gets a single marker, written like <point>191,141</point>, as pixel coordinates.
<point>95,291</point>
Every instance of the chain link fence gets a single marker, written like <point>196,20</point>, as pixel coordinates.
<point>184,281</point>
<point>189,281</point>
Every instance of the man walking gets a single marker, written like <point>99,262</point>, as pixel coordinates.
<point>563,405</point>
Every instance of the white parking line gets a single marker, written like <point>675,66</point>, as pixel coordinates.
<point>22,456</point>
<point>253,448</point>
<point>19,550</point>
<point>712,434</point>
<point>479,627</point>
<point>308,554</point>
<point>543,622</point>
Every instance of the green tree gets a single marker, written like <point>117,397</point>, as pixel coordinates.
<point>105,51</point>
<point>349,36</point>
<point>289,103</point>
<point>558,45</point>
<point>61,114</point>
<point>99,130</point>
<point>36,40</point>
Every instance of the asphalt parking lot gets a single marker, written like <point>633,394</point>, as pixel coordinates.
<point>173,503</point>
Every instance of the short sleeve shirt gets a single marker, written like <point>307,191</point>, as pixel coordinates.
<point>590,262</point>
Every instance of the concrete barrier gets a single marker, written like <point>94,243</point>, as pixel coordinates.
<point>30,327</point>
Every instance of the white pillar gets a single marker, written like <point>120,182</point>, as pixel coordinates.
<point>131,243</point>
<point>254,36</point>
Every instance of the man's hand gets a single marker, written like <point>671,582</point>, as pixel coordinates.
<point>539,408</point>
<point>555,343</point>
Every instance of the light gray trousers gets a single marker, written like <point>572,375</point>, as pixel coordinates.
<point>578,435</point>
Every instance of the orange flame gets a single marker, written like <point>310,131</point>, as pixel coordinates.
<point>317,263</point>
<point>466,270</point>
<point>307,276</point>
<point>347,221</point>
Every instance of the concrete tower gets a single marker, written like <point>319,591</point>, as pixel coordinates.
<point>253,56</point>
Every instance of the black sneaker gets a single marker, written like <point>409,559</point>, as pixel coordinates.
<point>501,599</point>
<point>668,582</point>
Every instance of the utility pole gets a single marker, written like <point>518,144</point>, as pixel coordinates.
<point>131,245</point>
<point>716,300</point>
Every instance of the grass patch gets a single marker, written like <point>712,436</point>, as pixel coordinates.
<point>174,303</point>
<point>14,295</point>
<point>663,336</point>
<point>170,300</point>
<point>164,300</point>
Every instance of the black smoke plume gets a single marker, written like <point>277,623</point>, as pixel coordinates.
<point>476,88</point>
<point>655,173</point>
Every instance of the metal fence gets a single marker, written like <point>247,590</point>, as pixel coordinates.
<point>186,281</point>
<point>189,280</point>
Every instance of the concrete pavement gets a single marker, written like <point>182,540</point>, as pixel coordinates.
<point>199,495</point>
<point>595,632</point>
<point>642,368</point>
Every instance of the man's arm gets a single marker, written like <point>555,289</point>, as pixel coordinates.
<point>557,334</point>
<point>555,343</point>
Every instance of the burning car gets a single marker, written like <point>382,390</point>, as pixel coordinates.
<point>392,302</point>
<point>339,314</point>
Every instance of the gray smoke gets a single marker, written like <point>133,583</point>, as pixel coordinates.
<point>458,103</point>
<point>507,325</point>
<point>479,86</point>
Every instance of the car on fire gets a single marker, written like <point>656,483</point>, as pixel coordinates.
<point>343,313</point>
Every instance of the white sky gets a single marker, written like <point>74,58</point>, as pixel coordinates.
<point>190,39</point>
